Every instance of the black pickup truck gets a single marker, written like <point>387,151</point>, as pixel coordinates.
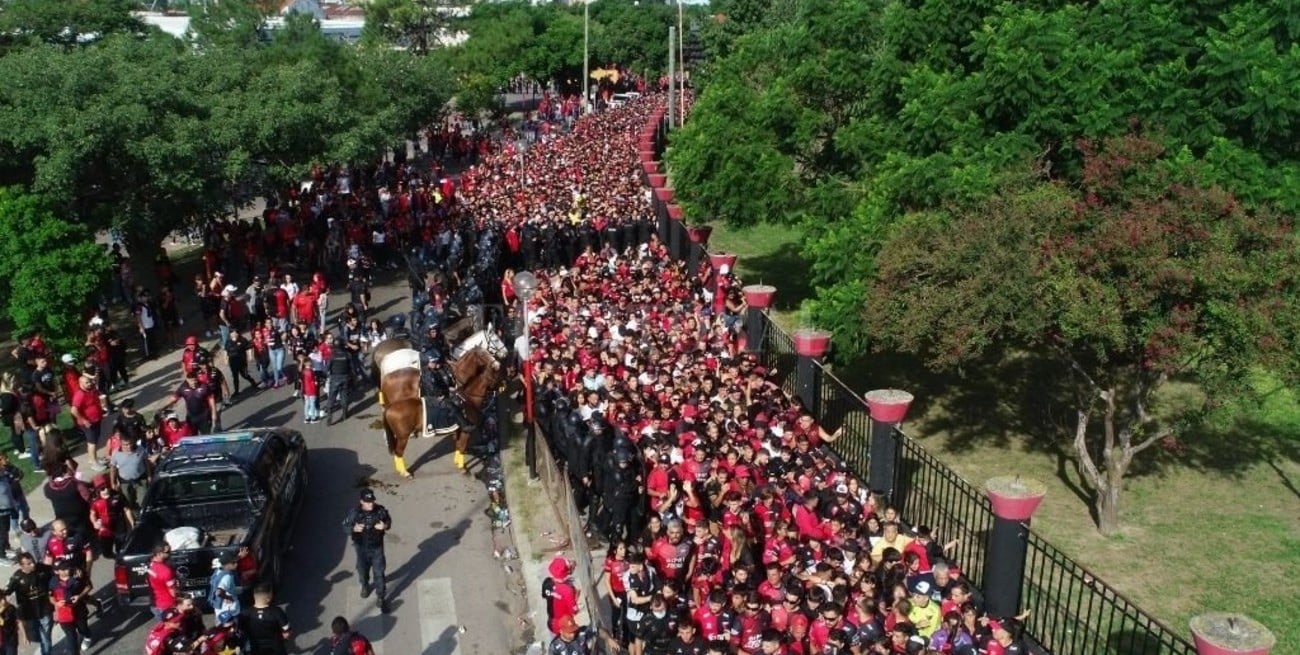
<point>235,489</point>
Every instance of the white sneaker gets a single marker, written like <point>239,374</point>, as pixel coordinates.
<point>24,455</point>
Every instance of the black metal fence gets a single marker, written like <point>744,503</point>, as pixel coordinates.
<point>1074,613</point>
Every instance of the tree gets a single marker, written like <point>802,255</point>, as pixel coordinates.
<point>414,24</point>
<point>49,267</point>
<point>902,108</point>
<point>65,24</point>
<point>1140,276</point>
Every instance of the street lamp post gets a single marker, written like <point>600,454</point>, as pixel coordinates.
<point>525,285</point>
<point>586,55</point>
<point>522,146</point>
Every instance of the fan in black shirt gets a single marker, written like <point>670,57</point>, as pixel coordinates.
<point>266,627</point>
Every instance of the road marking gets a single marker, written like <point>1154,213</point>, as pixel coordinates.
<point>439,631</point>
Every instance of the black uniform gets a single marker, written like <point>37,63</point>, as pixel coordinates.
<point>368,543</point>
<point>340,379</point>
<point>622,498</point>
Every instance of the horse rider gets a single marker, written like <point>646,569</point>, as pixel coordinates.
<point>435,342</point>
<point>438,385</point>
<point>339,368</point>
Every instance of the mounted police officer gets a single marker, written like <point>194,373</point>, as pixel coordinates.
<point>437,387</point>
<point>339,368</point>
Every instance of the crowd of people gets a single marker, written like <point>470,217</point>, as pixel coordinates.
<point>731,527</point>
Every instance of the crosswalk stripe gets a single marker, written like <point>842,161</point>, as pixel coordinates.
<point>439,631</point>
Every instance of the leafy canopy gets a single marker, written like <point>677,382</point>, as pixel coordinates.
<point>848,116</point>
<point>1141,274</point>
<point>49,267</point>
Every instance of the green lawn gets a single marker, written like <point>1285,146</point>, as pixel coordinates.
<point>1213,527</point>
<point>769,254</point>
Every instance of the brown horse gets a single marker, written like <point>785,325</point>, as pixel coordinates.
<point>455,333</point>
<point>477,376</point>
<point>383,349</point>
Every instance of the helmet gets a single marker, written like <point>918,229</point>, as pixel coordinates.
<point>191,340</point>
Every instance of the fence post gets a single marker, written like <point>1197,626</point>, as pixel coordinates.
<point>1230,634</point>
<point>810,344</point>
<point>699,236</point>
<point>758,297</point>
<point>888,408</point>
<point>1014,501</point>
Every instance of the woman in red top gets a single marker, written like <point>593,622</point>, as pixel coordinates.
<point>616,567</point>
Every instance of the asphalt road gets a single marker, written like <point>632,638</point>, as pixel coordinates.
<point>449,593</point>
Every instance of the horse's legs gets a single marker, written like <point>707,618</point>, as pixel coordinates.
<point>401,437</point>
<point>462,444</point>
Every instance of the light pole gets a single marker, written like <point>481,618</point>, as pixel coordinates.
<point>522,146</point>
<point>681,63</point>
<point>525,285</point>
<point>586,55</point>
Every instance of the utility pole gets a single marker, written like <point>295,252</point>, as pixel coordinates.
<point>672,75</point>
<point>586,55</point>
<point>681,59</point>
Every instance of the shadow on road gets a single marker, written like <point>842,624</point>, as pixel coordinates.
<point>319,540</point>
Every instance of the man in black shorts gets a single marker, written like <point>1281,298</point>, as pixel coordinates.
<point>265,627</point>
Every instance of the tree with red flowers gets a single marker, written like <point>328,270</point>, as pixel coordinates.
<point>1134,276</point>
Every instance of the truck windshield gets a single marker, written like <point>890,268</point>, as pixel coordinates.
<point>199,487</point>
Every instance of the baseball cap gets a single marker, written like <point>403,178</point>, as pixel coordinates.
<point>560,568</point>
<point>921,588</point>
<point>368,495</point>
<point>68,359</point>
<point>100,481</point>
<point>567,623</point>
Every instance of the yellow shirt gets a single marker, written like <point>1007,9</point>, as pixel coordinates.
<point>900,542</point>
<point>926,619</point>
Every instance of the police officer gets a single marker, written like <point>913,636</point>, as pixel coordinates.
<point>437,384</point>
<point>340,378</point>
<point>622,497</point>
<point>368,522</point>
<point>582,456</point>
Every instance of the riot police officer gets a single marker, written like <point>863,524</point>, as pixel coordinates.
<point>368,522</point>
<point>340,378</point>
<point>581,457</point>
<point>622,496</point>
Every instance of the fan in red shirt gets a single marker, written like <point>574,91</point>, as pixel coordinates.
<point>673,552</point>
<point>162,579</point>
<point>344,641</point>
<point>174,429</point>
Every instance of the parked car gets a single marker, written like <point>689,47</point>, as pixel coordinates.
<point>225,491</point>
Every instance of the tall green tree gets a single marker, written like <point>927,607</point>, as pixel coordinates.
<point>1139,276</point>
<point>414,24</point>
<point>49,267</point>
